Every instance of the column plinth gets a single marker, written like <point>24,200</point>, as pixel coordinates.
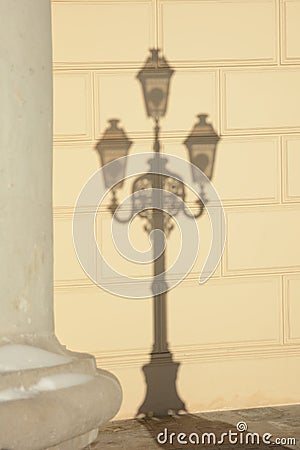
<point>49,397</point>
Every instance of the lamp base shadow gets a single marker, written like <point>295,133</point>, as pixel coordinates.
<point>161,398</point>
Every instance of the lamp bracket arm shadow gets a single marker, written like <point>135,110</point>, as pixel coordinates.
<point>199,213</point>
<point>114,206</point>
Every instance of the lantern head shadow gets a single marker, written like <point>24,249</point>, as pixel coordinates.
<point>113,145</point>
<point>155,79</point>
<point>202,144</point>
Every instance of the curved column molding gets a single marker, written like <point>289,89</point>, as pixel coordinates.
<point>49,397</point>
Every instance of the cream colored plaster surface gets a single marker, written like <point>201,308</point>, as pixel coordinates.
<point>236,337</point>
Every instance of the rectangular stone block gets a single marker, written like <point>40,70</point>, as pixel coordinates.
<point>101,33</point>
<point>292,308</point>
<point>72,104</point>
<point>246,169</point>
<point>119,95</point>
<point>140,240</point>
<point>291,159</point>
<point>220,313</point>
<point>67,269</point>
<point>90,319</point>
<point>73,165</point>
<point>214,32</point>
<point>261,100</point>
<point>262,239</point>
<point>290,31</point>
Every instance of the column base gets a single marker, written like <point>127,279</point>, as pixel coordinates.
<point>57,407</point>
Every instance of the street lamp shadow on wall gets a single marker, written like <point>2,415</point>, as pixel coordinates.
<point>147,192</point>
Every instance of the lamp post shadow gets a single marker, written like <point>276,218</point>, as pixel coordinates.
<point>162,398</point>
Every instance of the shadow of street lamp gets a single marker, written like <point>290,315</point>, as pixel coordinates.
<point>161,372</point>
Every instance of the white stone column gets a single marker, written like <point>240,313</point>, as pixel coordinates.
<point>37,375</point>
<point>26,168</point>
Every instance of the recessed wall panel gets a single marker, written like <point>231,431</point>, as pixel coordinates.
<point>291,168</point>
<point>290,31</point>
<point>101,33</point>
<point>261,100</point>
<point>292,309</point>
<point>67,268</point>
<point>262,239</point>
<point>102,323</point>
<point>187,263</point>
<point>119,95</point>
<point>224,312</point>
<point>72,106</point>
<point>72,167</point>
<point>246,169</point>
<point>208,32</point>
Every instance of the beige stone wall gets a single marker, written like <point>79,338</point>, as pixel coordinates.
<point>238,336</point>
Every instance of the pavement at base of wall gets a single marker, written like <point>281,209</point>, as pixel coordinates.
<point>212,429</point>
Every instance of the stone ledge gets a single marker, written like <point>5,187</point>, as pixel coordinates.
<point>74,363</point>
